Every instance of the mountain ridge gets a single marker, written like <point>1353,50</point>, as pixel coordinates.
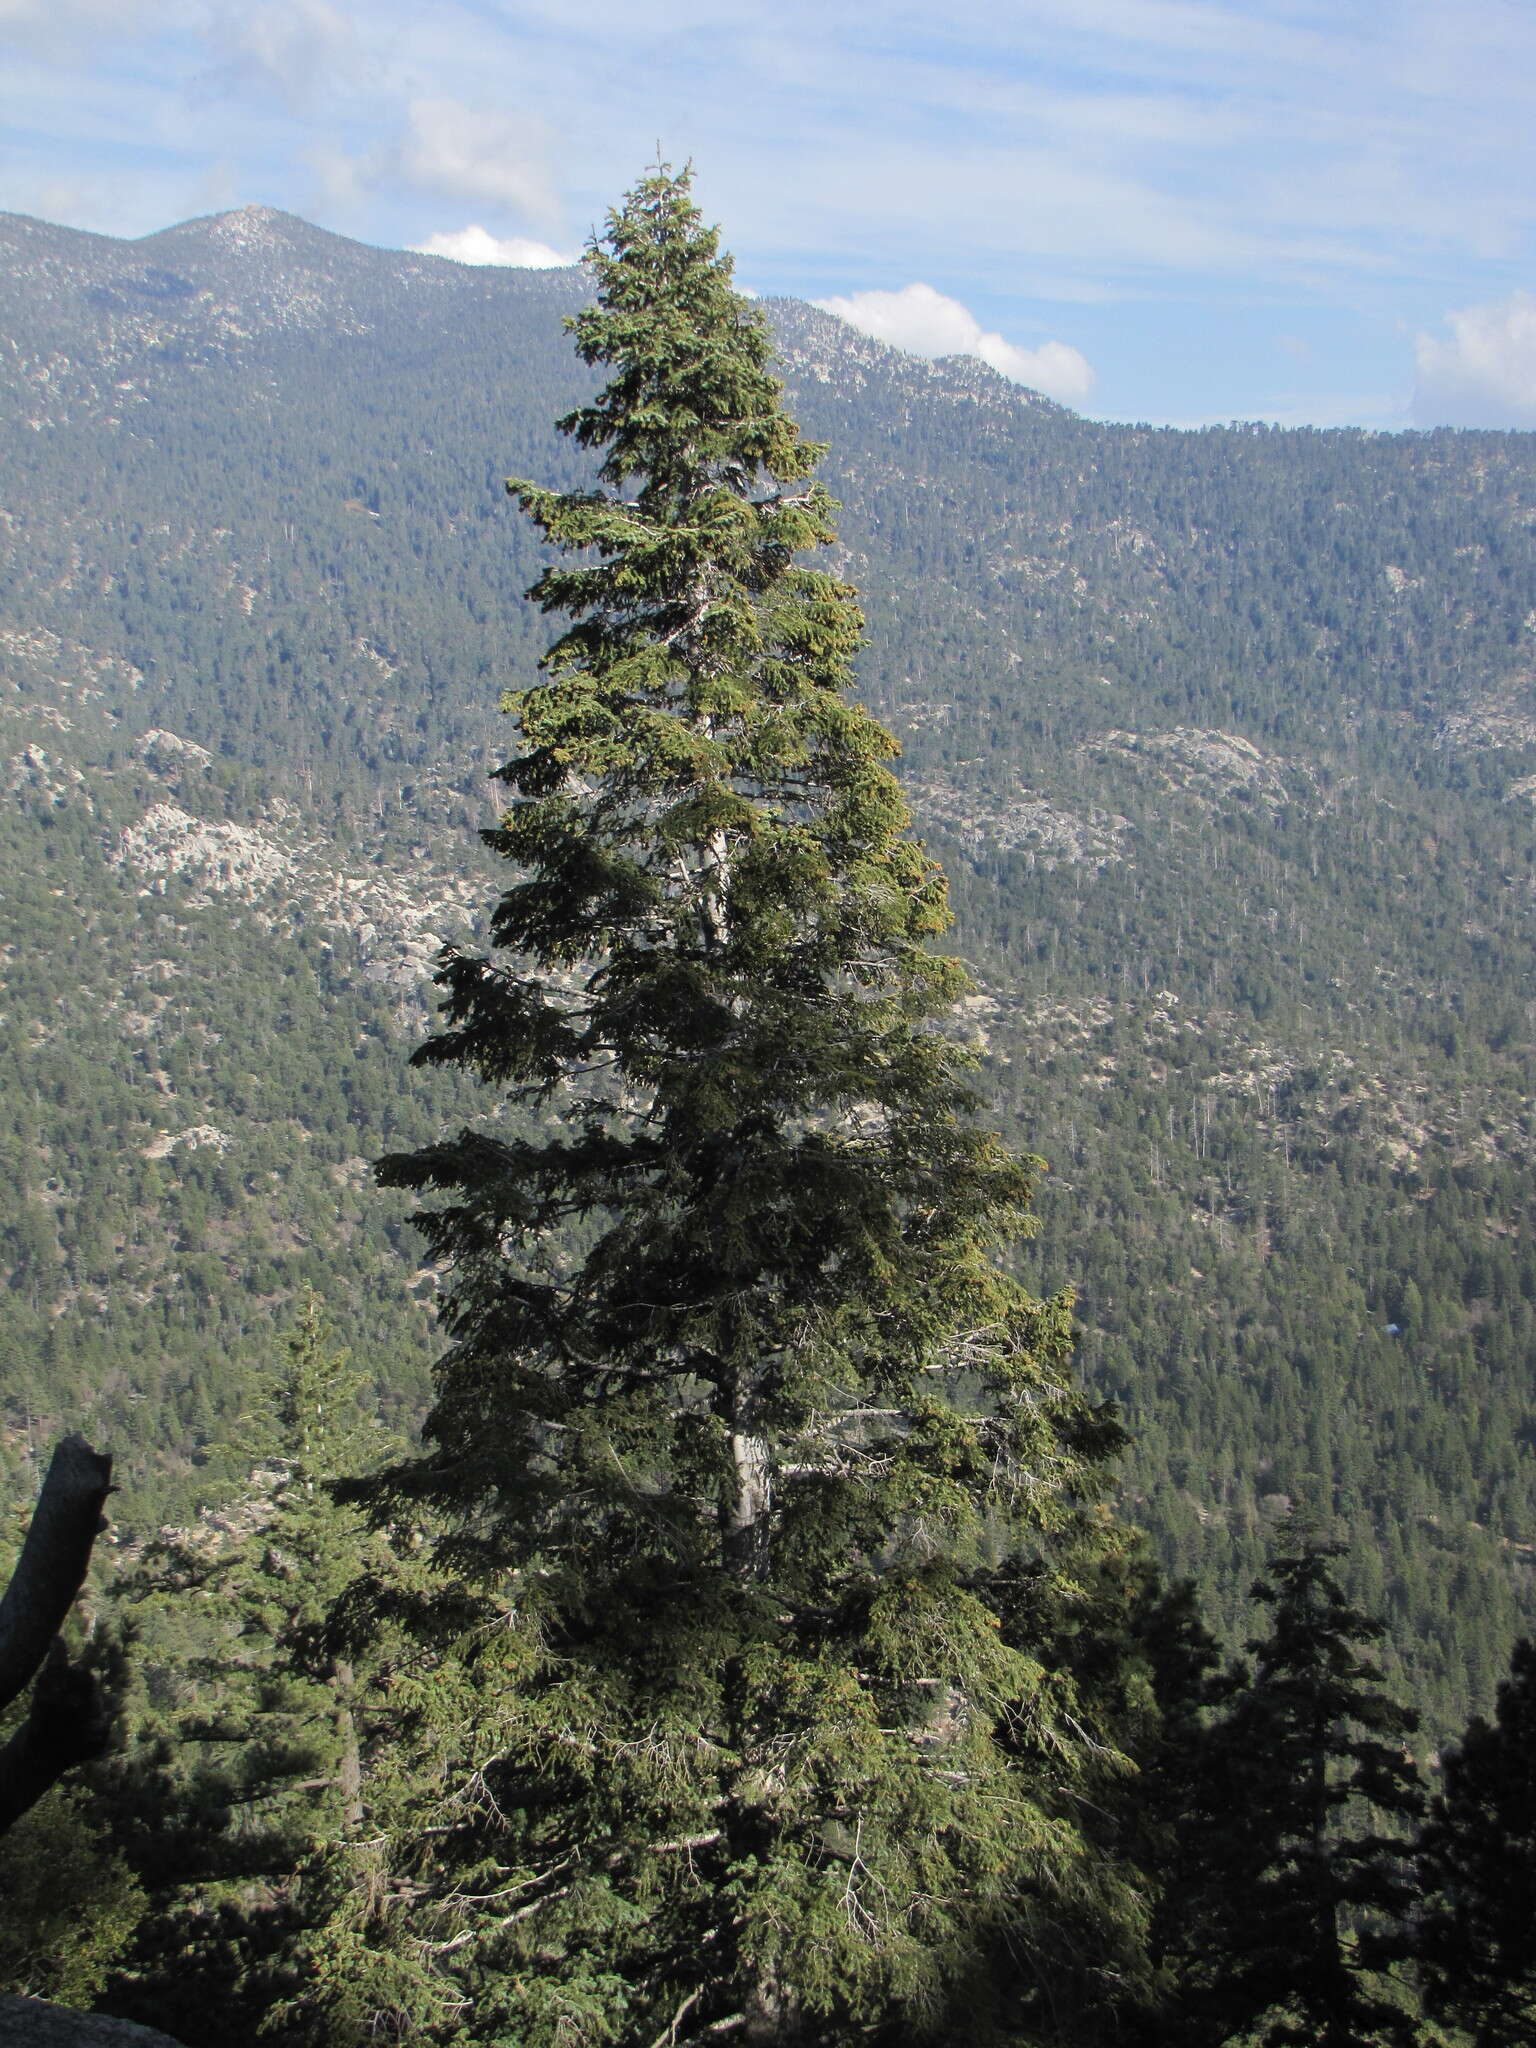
<point>262,239</point>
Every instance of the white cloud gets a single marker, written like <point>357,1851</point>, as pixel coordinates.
<point>450,147</point>
<point>926,323</point>
<point>476,244</point>
<point>293,47</point>
<point>1483,374</point>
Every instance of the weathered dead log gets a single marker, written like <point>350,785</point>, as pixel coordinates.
<point>67,1722</point>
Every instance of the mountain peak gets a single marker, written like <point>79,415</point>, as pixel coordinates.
<point>247,227</point>
<point>243,221</point>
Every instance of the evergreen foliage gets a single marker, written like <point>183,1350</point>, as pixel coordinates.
<point>747,1732</point>
<point>1296,1857</point>
<point>1475,1939</point>
<point>66,1909</point>
<point>243,1749</point>
<point>1174,1683</point>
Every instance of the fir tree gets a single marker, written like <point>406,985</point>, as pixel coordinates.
<point>742,1736</point>
<point>1476,1942</point>
<point>1294,1867</point>
<point>244,1755</point>
<point>1145,1671</point>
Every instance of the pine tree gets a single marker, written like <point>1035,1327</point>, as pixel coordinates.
<point>1297,1869</point>
<point>245,1755</point>
<point>741,1736</point>
<point>1147,1675</point>
<point>1476,1941</point>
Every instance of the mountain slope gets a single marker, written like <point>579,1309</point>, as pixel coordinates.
<point>1228,740</point>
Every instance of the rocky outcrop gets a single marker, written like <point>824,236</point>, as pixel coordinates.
<point>33,2023</point>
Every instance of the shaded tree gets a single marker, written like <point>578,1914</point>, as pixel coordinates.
<point>69,1905</point>
<point>243,1751</point>
<point>1476,1939</point>
<point>1297,1851</point>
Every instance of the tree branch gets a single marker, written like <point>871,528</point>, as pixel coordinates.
<point>667,2038</point>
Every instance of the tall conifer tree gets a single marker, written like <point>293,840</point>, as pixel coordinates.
<point>1290,1870</point>
<point>739,1395</point>
<point>1476,1940</point>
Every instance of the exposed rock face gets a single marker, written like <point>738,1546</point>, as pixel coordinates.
<point>1206,764</point>
<point>1021,818</point>
<point>169,840</point>
<point>32,2023</point>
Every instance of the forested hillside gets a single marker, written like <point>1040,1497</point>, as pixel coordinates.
<point>1227,740</point>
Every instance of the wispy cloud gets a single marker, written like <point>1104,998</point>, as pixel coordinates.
<point>293,48</point>
<point>476,244</point>
<point>474,154</point>
<point>1483,372</point>
<point>927,323</point>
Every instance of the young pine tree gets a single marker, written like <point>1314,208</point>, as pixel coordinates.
<point>734,1739</point>
<point>68,1904</point>
<point>1288,1868</point>
<point>1476,1941</point>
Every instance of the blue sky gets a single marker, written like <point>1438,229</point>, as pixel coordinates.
<point>1170,210</point>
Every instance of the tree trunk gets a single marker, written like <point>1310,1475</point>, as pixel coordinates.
<point>746,1535</point>
<point>350,1773</point>
<point>714,879</point>
<point>53,1562</point>
<point>67,1722</point>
